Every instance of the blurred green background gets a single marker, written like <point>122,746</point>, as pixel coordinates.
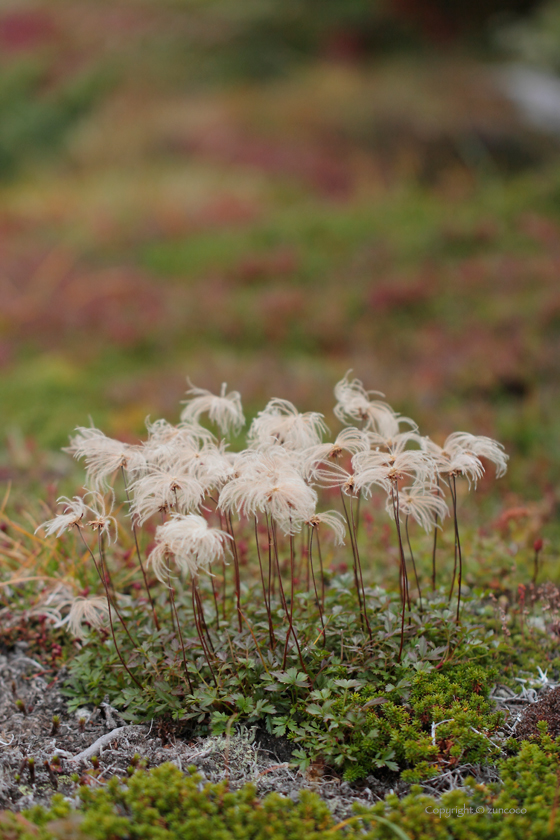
<point>271,192</point>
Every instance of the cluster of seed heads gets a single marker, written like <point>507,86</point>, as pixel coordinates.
<point>185,476</point>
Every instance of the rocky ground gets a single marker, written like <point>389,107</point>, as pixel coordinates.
<point>44,748</point>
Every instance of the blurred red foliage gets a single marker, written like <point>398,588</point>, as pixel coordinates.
<point>26,29</point>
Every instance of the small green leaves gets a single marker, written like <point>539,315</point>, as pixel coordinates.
<point>291,677</point>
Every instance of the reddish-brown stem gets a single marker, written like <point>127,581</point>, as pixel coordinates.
<point>310,555</point>
<point>403,575</point>
<point>292,587</point>
<point>322,572</point>
<point>363,617</point>
<point>110,589</point>
<point>108,596</point>
<point>270,563</point>
<point>202,617</point>
<point>229,523</point>
<point>280,584</point>
<point>458,553</point>
<point>215,596</point>
<point>177,625</point>
<point>434,549</point>
<point>138,554</point>
<point>413,562</point>
<point>354,568</point>
<point>200,633</point>
<point>266,603</point>
<point>224,581</point>
<point>360,574</point>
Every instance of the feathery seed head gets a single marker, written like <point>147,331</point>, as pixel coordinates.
<point>335,475</point>
<point>74,511</point>
<point>460,455</point>
<point>224,410</point>
<point>162,490</point>
<point>482,447</point>
<point>355,403</point>
<point>166,443</point>
<point>423,502</point>
<point>333,520</point>
<point>104,455</point>
<point>386,468</point>
<point>103,522</point>
<point>92,611</point>
<point>349,440</point>
<point>268,481</point>
<point>189,542</point>
<point>281,423</point>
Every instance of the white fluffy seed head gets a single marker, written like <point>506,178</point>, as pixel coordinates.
<point>386,468</point>
<point>333,520</point>
<point>189,543</point>
<point>268,481</point>
<point>422,502</point>
<point>104,455</point>
<point>103,522</point>
<point>73,513</point>
<point>461,453</point>
<point>163,490</point>
<point>93,611</point>
<point>224,410</point>
<point>355,403</point>
<point>167,443</point>
<point>483,447</point>
<point>322,455</point>
<point>280,423</point>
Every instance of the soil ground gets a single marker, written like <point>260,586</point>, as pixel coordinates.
<point>96,744</point>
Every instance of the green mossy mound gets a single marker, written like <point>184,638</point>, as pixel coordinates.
<point>165,804</point>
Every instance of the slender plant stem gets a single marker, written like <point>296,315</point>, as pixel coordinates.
<point>109,588</point>
<point>311,529</point>
<point>280,584</point>
<point>403,575</point>
<point>201,634</point>
<point>452,587</point>
<point>266,603</point>
<point>229,523</point>
<point>270,567</point>
<point>292,593</point>
<point>177,624</point>
<point>139,555</point>
<point>413,563</point>
<point>202,617</point>
<point>292,574</point>
<point>322,573</point>
<point>458,552</point>
<point>215,596</point>
<point>355,567</point>
<point>106,587</point>
<point>284,604</point>
<point>224,581</point>
<point>360,574</point>
<point>434,548</point>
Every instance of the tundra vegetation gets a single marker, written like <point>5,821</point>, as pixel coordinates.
<point>217,589</point>
<point>282,199</point>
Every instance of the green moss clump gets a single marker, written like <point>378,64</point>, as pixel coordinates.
<point>396,729</point>
<point>165,804</point>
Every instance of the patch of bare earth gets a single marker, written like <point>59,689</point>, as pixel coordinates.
<point>38,759</point>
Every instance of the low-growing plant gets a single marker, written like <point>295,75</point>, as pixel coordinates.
<point>430,721</point>
<point>277,635</point>
<point>167,804</point>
